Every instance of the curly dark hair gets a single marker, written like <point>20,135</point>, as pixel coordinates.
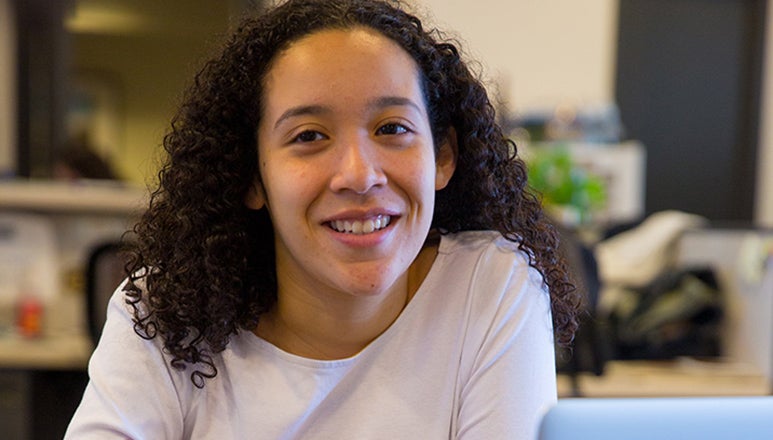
<point>207,261</point>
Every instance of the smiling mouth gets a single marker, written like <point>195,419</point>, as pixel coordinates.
<point>359,227</point>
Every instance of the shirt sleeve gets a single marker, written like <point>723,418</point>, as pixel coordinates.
<point>511,378</point>
<point>131,392</point>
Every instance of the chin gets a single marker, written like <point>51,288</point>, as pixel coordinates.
<point>367,286</point>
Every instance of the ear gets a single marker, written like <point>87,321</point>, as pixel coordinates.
<point>255,197</point>
<point>445,161</point>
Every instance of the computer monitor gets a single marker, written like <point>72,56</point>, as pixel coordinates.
<point>678,418</point>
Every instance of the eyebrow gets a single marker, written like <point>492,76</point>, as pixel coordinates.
<point>301,110</point>
<point>380,102</point>
<point>389,101</point>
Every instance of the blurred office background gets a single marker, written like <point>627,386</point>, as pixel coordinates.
<point>688,78</point>
<point>659,113</point>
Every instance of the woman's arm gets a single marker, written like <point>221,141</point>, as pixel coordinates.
<point>131,393</point>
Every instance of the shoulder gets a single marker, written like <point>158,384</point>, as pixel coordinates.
<point>121,347</point>
<point>507,335</point>
<point>112,401</point>
<point>489,267</point>
<point>472,241</point>
<point>488,251</point>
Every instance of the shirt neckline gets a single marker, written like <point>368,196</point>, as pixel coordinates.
<point>415,303</point>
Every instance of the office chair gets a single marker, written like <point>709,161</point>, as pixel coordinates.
<point>104,273</point>
<point>589,351</point>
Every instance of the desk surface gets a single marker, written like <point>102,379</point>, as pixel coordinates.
<point>52,352</point>
<point>679,378</point>
<point>620,379</point>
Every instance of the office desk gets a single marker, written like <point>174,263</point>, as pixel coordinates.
<point>677,378</point>
<point>50,352</point>
<point>41,383</point>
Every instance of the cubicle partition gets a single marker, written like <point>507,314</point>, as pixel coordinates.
<point>743,260</point>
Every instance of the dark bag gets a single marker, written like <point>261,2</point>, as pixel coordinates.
<point>678,314</point>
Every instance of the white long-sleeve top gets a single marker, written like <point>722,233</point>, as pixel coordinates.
<point>470,357</point>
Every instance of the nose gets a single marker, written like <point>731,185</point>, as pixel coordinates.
<point>358,168</point>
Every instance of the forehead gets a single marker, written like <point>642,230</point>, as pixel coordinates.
<point>340,56</point>
<point>361,39</point>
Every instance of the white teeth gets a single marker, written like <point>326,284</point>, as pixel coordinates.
<point>361,226</point>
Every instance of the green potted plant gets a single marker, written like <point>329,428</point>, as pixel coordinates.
<point>571,194</point>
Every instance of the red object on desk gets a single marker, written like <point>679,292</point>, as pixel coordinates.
<point>29,318</point>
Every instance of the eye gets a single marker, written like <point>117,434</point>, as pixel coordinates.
<point>392,128</point>
<point>308,136</point>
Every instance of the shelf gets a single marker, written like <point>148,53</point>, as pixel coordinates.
<point>54,352</point>
<point>75,197</point>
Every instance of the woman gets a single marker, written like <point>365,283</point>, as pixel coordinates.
<point>341,246</point>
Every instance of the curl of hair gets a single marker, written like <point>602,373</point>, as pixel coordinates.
<point>202,266</point>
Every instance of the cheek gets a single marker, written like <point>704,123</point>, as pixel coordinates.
<point>289,186</point>
<point>419,182</point>
<point>426,175</point>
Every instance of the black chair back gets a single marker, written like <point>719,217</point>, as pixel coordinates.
<point>104,273</point>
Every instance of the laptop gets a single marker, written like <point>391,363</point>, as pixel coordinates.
<point>679,418</point>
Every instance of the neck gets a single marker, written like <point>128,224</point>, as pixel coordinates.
<point>339,326</point>
<point>331,328</point>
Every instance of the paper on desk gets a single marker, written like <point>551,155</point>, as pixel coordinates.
<point>635,257</point>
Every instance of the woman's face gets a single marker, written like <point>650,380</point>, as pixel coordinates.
<point>347,163</point>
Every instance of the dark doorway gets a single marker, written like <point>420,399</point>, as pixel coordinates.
<point>688,84</point>
<point>42,50</point>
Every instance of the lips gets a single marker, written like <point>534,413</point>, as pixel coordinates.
<point>360,227</point>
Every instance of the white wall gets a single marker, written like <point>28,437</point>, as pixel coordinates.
<point>540,53</point>
<point>7,88</point>
<point>764,202</point>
